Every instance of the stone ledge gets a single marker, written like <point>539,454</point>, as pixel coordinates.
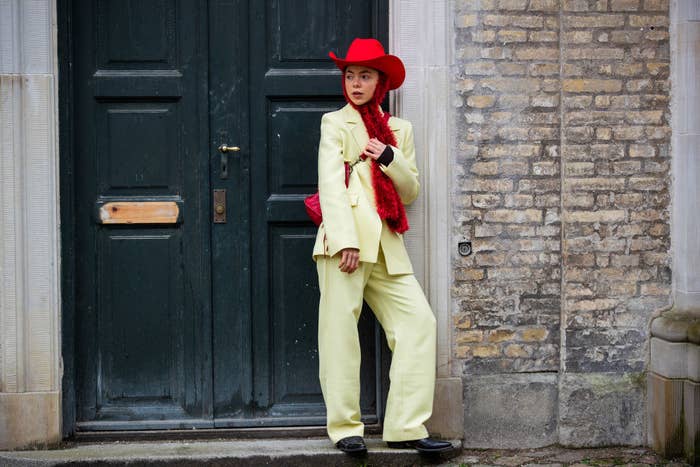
<point>675,360</point>
<point>280,452</point>
<point>677,326</point>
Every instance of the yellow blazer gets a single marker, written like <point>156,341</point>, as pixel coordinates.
<point>350,218</point>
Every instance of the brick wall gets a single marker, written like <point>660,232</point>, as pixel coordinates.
<point>562,185</point>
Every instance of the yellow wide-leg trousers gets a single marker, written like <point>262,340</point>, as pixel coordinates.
<point>401,308</point>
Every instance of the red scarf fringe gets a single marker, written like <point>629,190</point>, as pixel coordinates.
<point>389,205</point>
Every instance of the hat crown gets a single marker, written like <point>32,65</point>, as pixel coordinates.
<point>364,49</point>
<point>370,53</point>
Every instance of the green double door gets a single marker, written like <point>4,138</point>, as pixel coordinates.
<point>195,294</point>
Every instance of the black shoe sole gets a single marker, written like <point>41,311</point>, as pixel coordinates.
<point>404,445</point>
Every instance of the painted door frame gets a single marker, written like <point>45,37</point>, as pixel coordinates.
<point>421,34</point>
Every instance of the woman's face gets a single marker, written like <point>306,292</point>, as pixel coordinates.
<point>360,83</point>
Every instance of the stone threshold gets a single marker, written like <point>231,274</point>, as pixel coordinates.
<point>278,452</point>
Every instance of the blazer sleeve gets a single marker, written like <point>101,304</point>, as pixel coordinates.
<point>402,170</point>
<point>338,220</point>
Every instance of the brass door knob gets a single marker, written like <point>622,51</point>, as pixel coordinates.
<point>224,148</point>
<point>219,209</point>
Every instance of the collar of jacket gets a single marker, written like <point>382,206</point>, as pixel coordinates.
<point>354,120</point>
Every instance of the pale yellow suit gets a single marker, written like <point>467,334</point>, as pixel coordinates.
<point>384,279</point>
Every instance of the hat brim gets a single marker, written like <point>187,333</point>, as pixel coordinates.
<point>390,65</point>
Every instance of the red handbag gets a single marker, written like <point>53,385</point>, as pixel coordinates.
<point>312,203</point>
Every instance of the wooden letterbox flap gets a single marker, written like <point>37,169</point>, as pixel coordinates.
<point>138,212</point>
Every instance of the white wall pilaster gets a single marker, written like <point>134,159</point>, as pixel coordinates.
<point>29,213</point>
<point>421,34</point>
<point>685,225</point>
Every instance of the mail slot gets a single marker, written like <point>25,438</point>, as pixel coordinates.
<point>138,212</point>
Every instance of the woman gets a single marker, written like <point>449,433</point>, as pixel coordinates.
<point>360,253</point>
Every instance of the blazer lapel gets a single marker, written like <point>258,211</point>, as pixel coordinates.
<point>353,120</point>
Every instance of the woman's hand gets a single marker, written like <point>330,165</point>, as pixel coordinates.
<point>350,260</point>
<point>374,148</point>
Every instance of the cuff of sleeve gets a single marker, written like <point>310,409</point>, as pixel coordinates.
<point>387,156</point>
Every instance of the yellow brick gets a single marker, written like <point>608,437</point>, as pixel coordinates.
<point>647,21</point>
<point>659,5</point>
<point>481,102</point>
<point>624,5</point>
<point>544,36</point>
<point>489,350</point>
<point>604,184</point>
<point>603,133</point>
<point>595,53</point>
<point>516,351</point>
<point>463,351</point>
<point>544,69</point>
<point>538,53</point>
<point>578,37</point>
<point>462,321</point>
<point>642,150</point>
<point>596,21</point>
<point>475,184</point>
<point>500,335</point>
<point>465,21</point>
<point>630,69</point>
<point>465,337</point>
<point>512,4</point>
<point>654,289</point>
<point>483,36</point>
<point>656,69</point>
<point>508,68</point>
<point>592,305</point>
<point>506,36</point>
<point>592,85</point>
<point>496,20</point>
<point>490,259</point>
<point>596,216</point>
<point>508,151</point>
<point>484,168</point>
<point>626,37</point>
<point>512,85</point>
<point>534,334</point>
<point>514,216</point>
<point>544,5</point>
<point>575,5</point>
<point>527,22</point>
<point>462,274</point>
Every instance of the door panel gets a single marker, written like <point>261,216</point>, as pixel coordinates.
<point>142,299</point>
<point>292,84</point>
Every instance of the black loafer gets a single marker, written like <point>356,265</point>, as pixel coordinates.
<point>352,445</point>
<point>426,445</point>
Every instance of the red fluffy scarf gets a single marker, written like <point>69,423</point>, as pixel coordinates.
<point>389,205</point>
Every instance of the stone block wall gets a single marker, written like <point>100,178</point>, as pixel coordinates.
<point>562,183</point>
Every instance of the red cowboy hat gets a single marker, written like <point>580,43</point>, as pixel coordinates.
<point>369,52</point>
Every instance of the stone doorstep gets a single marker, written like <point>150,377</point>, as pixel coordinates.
<point>278,452</point>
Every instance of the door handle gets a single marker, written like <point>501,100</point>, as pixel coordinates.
<point>224,150</point>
